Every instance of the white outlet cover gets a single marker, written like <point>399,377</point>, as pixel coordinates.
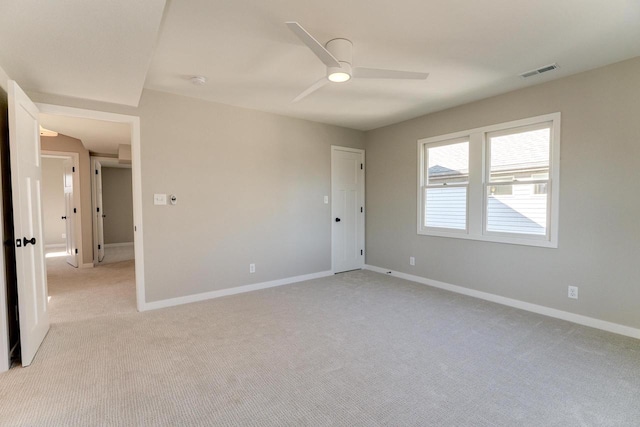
<point>412,261</point>
<point>326,200</point>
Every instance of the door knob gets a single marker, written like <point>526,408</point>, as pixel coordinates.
<point>337,219</point>
<point>26,241</point>
<point>64,217</point>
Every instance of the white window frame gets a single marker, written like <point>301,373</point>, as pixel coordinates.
<point>464,185</point>
<point>478,181</point>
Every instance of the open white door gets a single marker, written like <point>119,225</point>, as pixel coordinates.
<point>347,209</point>
<point>26,175</point>
<point>99,211</point>
<point>70,215</point>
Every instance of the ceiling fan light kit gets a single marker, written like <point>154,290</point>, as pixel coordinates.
<point>337,55</point>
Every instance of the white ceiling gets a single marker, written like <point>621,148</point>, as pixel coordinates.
<point>471,48</point>
<point>97,136</point>
<point>97,50</point>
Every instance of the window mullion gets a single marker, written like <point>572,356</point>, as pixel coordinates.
<point>475,196</point>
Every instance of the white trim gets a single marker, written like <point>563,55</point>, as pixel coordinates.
<point>115,245</point>
<point>591,322</point>
<point>136,171</point>
<point>87,265</point>
<point>233,291</point>
<point>55,245</point>
<point>478,159</point>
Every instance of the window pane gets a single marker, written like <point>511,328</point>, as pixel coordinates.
<point>520,208</point>
<point>520,156</point>
<point>448,163</point>
<point>446,207</point>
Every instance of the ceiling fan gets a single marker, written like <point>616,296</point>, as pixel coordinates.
<point>336,54</point>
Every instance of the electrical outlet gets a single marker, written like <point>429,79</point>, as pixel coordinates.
<point>252,268</point>
<point>412,260</point>
<point>573,292</point>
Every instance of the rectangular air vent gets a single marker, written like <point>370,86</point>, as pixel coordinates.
<point>539,70</point>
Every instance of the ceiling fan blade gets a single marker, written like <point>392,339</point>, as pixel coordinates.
<point>313,44</point>
<point>314,87</point>
<point>377,73</point>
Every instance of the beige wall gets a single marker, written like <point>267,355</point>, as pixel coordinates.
<point>250,189</point>
<point>53,204</point>
<point>599,243</point>
<point>117,204</point>
<point>65,143</point>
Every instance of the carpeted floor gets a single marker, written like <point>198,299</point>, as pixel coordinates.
<point>355,349</point>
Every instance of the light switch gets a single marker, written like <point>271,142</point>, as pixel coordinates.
<point>326,200</point>
<point>159,199</point>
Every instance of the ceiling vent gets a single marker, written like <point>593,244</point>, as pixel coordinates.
<point>540,70</point>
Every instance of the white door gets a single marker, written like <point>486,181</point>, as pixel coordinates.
<point>99,212</point>
<point>347,209</point>
<point>26,175</point>
<point>70,214</point>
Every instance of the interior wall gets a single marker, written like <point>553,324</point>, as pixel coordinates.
<point>63,143</point>
<point>53,204</point>
<point>599,231</point>
<point>117,204</point>
<point>250,188</point>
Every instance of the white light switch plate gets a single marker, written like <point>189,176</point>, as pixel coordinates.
<point>159,199</point>
<point>326,200</point>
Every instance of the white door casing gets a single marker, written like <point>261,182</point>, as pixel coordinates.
<point>70,215</point>
<point>347,209</point>
<point>99,211</point>
<point>26,176</point>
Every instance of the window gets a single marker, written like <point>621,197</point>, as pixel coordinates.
<point>447,179</point>
<point>497,183</point>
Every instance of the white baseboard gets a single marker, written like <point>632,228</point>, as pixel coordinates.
<point>115,245</point>
<point>540,309</point>
<point>55,245</point>
<point>232,291</point>
<point>87,265</point>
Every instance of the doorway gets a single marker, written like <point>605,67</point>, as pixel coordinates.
<point>133,123</point>
<point>60,206</point>
<point>112,210</point>
<point>347,209</point>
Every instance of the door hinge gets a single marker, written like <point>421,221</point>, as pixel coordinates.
<point>74,210</point>
<point>96,171</point>
<point>361,252</point>
<point>361,209</point>
<point>73,169</point>
<point>99,247</point>
<point>97,209</point>
<point>76,250</point>
<point>361,165</point>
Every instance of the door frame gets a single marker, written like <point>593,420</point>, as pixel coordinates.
<point>76,192</point>
<point>108,162</point>
<point>136,173</point>
<point>335,148</point>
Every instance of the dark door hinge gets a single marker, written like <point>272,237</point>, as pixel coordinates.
<point>97,209</point>
<point>73,169</point>
<point>361,209</point>
<point>361,252</point>
<point>76,250</point>
<point>361,165</point>
<point>96,171</point>
<point>75,210</point>
<point>99,247</point>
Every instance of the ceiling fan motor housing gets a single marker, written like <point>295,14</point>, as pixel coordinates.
<point>342,50</point>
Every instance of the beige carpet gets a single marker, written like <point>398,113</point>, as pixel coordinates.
<point>356,349</point>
